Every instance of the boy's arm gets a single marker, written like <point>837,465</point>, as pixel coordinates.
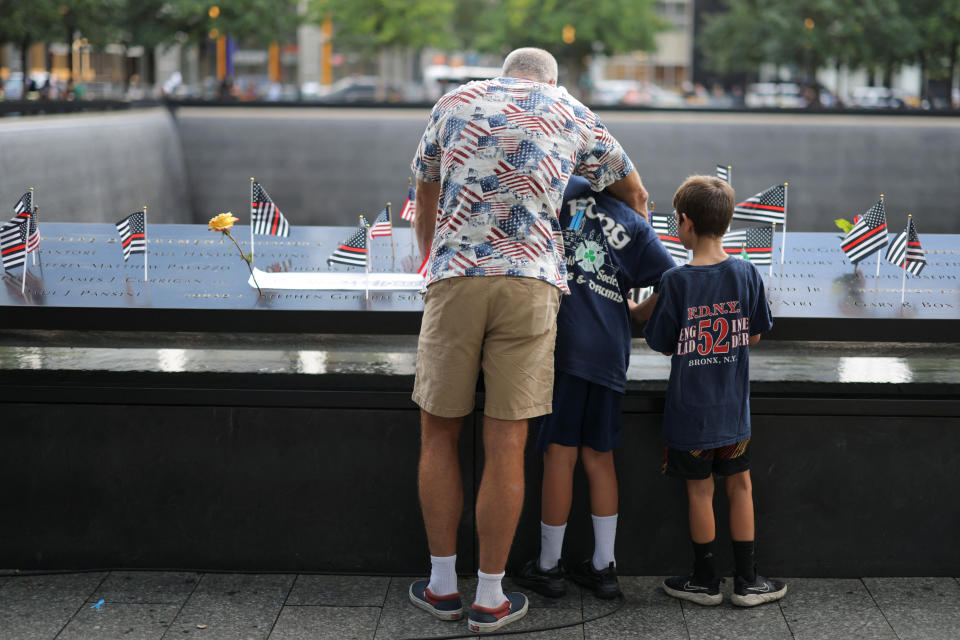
<point>640,313</point>
<point>754,339</point>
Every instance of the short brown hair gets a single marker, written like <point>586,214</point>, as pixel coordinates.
<point>708,202</point>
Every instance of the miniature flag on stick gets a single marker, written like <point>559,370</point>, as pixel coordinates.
<point>353,250</point>
<point>755,242</point>
<point>725,173</point>
<point>265,216</point>
<point>409,210</point>
<point>133,236</point>
<point>766,206</point>
<point>13,244</point>
<point>868,235</point>
<point>382,226</point>
<point>906,252</point>
<point>24,206</point>
<point>665,226</point>
<point>424,267</point>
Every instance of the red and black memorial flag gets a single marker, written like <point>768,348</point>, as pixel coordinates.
<point>868,235</point>
<point>23,208</point>
<point>756,242</point>
<point>353,251</point>
<point>13,243</point>
<point>133,234</point>
<point>265,217</point>
<point>905,250</point>
<point>665,226</point>
<point>767,206</point>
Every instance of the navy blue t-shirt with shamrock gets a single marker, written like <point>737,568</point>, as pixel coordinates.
<point>610,250</point>
<point>705,316</point>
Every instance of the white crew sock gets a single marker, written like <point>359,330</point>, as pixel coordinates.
<point>551,544</point>
<point>443,575</point>
<point>489,590</point>
<point>604,537</point>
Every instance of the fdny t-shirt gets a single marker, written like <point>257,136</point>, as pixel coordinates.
<point>705,315</point>
<point>612,251</point>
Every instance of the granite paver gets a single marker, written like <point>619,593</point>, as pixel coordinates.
<point>817,608</point>
<point>919,608</point>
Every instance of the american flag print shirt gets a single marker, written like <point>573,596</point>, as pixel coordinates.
<point>503,151</point>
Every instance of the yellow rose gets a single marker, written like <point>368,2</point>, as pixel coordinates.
<point>222,222</point>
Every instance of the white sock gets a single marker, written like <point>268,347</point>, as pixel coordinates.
<point>604,537</point>
<point>489,590</point>
<point>551,544</point>
<point>443,575</point>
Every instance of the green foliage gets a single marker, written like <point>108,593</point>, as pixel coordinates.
<point>381,24</point>
<point>843,224</point>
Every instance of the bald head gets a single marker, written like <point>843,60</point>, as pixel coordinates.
<point>531,63</point>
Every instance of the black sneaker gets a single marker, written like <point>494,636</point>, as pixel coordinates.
<point>750,594</point>
<point>689,588</point>
<point>604,584</point>
<point>547,583</point>
<point>484,619</point>
<point>446,607</point>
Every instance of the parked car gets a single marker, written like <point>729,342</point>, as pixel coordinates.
<point>775,94</point>
<point>352,89</point>
<point>876,98</point>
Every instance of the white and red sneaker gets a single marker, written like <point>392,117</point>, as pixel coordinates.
<point>485,619</point>
<point>448,607</point>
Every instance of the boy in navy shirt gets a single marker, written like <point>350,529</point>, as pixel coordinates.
<point>708,315</point>
<point>609,249</point>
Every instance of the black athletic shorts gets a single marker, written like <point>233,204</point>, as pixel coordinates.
<point>698,465</point>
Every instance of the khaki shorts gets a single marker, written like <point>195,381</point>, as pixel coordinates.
<point>505,325</point>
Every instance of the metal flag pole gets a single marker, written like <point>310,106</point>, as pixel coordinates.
<point>903,263</point>
<point>413,248</point>
<point>773,233</point>
<point>23,276</point>
<point>252,264</point>
<point>369,257</point>
<point>730,176</point>
<point>783,245</point>
<point>393,251</point>
<point>145,247</point>
<point>33,202</point>
<point>878,251</point>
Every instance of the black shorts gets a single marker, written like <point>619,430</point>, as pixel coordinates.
<point>698,465</point>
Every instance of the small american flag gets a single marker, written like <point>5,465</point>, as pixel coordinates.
<point>24,210</point>
<point>665,226</point>
<point>905,250</point>
<point>868,235</point>
<point>723,172</point>
<point>133,235</point>
<point>755,242</point>
<point>265,216</point>
<point>382,226</point>
<point>409,210</point>
<point>767,206</point>
<point>13,244</point>
<point>353,251</point>
<point>424,267</point>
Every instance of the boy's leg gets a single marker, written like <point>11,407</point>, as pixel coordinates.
<point>703,585</point>
<point>749,588</point>
<point>558,464</point>
<point>602,476</point>
<point>740,495</point>
<point>599,573</point>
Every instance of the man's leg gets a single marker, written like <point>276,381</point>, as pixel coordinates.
<point>500,498</point>
<point>441,496</point>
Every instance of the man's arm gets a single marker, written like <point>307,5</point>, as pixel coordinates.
<point>427,202</point>
<point>631,192</point>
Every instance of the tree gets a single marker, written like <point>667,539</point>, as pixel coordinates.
<point>23,25</point>
<point>373,25</point>
<point>571,29</point>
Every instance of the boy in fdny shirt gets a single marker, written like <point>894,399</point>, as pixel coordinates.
<point>609,249</point>
<point>708,315</point>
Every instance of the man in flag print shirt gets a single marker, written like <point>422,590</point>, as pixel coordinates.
<point>493,164</point>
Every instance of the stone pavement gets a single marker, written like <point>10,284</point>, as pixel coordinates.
<point>167,605</point>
